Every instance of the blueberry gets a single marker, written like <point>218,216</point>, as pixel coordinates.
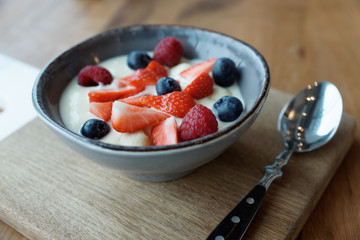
<point>228,108</point>
<point>95,129</point>
<point>166,85</point>
<point>138,59</point>
<point>224,72</point>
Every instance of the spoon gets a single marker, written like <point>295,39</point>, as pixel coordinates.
<point>307,122</point>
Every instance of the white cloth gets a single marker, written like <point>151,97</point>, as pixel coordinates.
<point>16,81</point>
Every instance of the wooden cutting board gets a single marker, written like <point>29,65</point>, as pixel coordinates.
<point>47,191</point>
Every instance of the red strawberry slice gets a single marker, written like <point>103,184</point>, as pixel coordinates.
<point>147,131</point>
<point>143,77</point>
<point>165,132</point>
<point>175,103</point>
<point>127,118</point>
<point>168,52</point>
<point>101,109</point>
<point>157,68</point>
<point>194,71</point>
<point>200,87</point>
<point>136,101</point>
<point>107,95</point>
<point>122,82</point>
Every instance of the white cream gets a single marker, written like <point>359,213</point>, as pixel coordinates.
<point>74,102</point>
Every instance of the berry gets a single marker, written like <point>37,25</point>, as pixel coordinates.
<point>228,108</point>
<point>101,109</point>
<point>127,118</point>
<point>200,87</point>
<point>95,129</point>
<point>165,132</point>
<point>167,85</point>
<point>122,82</point>
<point>92,75</point>
<point>107,95</point>
<point>174,103</point>
<point>157,68</point>
<point>198,122</point>
<point>143,77</point>
<point>168,52</point>
<point>138,59</point>
<point>136,101</point>
<point>225,72</point>
<point>194,71</point>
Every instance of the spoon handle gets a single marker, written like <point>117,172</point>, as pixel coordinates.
<point>234,225</point>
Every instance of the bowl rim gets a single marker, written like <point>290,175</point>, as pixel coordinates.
<point>39,106</point>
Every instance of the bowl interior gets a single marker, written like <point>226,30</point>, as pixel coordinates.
<point>197,43</point>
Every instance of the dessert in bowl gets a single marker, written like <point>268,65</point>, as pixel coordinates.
<point>147,160</point>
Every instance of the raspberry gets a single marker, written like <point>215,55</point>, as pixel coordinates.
<point>168,52</point>
<point>92,75</point>
<point>198,122</point>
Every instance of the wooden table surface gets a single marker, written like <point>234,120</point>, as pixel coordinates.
<point>302,41</point>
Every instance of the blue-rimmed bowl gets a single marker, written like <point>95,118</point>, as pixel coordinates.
<point>153,163</point>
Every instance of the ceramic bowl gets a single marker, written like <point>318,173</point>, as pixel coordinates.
<point>153,163</point>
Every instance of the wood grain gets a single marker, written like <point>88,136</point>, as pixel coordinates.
<point>303,41</point>
<point>57,194</point>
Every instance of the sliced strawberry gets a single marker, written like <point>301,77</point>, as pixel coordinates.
<point>147,131</point>
<point>143,77</point>
<point>136,101</point>
<point>194,71</point>
<point>107,95</point>
<point>127,118</point>
<point>200,87</point>
<point>175,103</point>
<point>122,82</point>
<point>157,68</point>
<point>165,132</point>
<point>101,109</point>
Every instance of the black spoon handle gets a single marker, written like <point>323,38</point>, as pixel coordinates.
<point>234,225</point>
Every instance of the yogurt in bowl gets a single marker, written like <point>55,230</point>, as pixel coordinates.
<point>74,103</point>
<point>152,163</point>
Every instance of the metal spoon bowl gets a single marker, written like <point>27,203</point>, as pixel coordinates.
<point>308,121</point>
